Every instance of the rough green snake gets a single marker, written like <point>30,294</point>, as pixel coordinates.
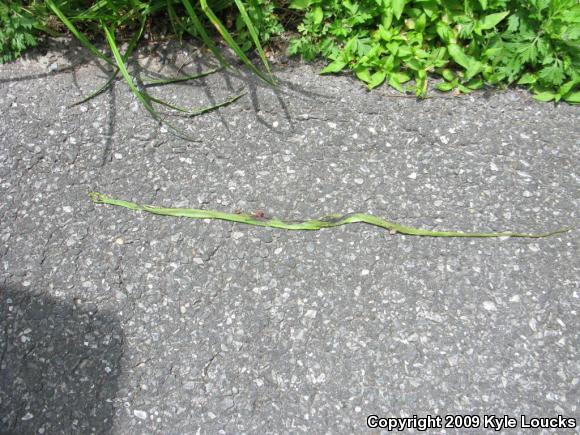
<point>329,221</point>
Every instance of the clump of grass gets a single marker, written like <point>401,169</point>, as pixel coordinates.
<point>111,18</point>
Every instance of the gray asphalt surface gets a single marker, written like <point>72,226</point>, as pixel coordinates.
<point>118,322</point>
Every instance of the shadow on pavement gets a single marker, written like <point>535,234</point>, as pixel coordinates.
<point>59,364</point>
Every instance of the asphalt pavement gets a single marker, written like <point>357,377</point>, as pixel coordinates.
<point>120,322</point>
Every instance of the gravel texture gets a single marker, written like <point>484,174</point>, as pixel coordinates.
<point>113,321</point>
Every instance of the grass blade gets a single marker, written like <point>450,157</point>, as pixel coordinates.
<point>130,48</point>
<point>200,111</point>
<point>80,36</point>
<point>201,31</point>
<point>93,11</point>
<point>141,96</point>
<point>174,20</point>
<point>218,105</point>
<point>123,69</point>
<point>230,41</point>
<point>166,104</point>
<point>254,35</point>
<point>99,91</point>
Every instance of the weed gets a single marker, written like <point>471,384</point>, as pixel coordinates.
<point>468,43</point>
<point>16,30</point>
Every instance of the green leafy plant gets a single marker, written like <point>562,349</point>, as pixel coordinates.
<point>17,30</point>
<point>468,43</point>
<point>540,47</point>
<point>261,12</point>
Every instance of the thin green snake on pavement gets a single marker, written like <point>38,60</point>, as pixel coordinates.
<point>329,221</point>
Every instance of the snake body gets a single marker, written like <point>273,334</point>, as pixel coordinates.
<point>329,221</point>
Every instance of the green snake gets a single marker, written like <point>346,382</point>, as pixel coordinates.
<point>329,221</point>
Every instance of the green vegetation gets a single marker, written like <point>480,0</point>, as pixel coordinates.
<point>16,31</point>
<point>114,19</point>
<point>468,44</point>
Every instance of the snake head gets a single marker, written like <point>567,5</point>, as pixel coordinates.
<point>97,198</point>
